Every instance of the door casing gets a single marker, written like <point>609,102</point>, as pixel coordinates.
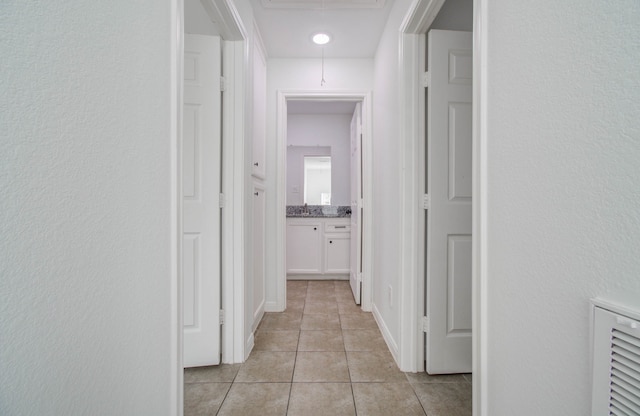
<point>281,195</point>
<point>412,47</point>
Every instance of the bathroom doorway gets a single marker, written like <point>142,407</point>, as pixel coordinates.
<point>316,128</point>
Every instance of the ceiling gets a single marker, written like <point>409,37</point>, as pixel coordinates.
<point>355,26</point>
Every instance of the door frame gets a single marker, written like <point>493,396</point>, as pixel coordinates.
<point>234,36</point>
<point>281,195</point>
<point>412,97</point>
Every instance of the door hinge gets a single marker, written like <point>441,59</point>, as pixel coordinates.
<point>222,201</point>
<point>425,324</point>
<point>359,277</point>
<point>221,316</point>
<point>426,79</point>
<point>223,84</point>
<point>426,201</point>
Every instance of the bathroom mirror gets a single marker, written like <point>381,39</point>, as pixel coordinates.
<point>317,180</point>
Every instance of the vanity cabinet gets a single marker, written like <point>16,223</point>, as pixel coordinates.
<point>304,246</point>
<point>318,246</point>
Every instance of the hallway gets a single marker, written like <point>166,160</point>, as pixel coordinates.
<point>322,356</point>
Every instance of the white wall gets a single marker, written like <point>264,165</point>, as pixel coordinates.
<point>325,130</point>
<point>563,155</point>
<point>342,75</point>
<point>85,211</point>
<point>387,181</point>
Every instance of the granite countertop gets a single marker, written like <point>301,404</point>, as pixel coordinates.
<point>318,211</point>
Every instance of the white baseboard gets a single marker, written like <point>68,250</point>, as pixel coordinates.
<point>386,334</point>
<point>273,307</point>
<point>249,346</point>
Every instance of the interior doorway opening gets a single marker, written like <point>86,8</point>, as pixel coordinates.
<point>337,229</point>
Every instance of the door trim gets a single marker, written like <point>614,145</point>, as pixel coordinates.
<point>416,22</point>
<point>176,382</point>
<point>281,195</point>
<point>233,138</point>
<point>413,98</point>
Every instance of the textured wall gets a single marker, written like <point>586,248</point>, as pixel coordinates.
<point>84,208</point>
<point>564,169</point>
<point>387,181</point>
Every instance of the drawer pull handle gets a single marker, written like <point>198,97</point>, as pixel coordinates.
<point>330,242</point>
<point>340,226</point>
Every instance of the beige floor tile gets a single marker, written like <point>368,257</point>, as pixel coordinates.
<point>320,306</point>
<point>322,343</point>
<point>296,292</point>
<point>316,297</point>
<point>426,378</point>
<point>342,284</point>
<point>345,296</point>
<point>319,292</point>
<point>267,366</point>
<point>204,398</point>
<point>297,284</point>
<point>373,366</point>
<point>282,321</point>
<point>382,399</point>
<point>276,340</point>
<point>358,321</point>
<point>363,340</point>
<point>468,377</point>
<point>321,399</point>
<point>445,399</point>
<point>321,367</point>
<point>348,307</point>
<point>321,284</point>
<point>320,321</point>
<point>321,340</point>
<point>256,399</point>
<point>211,374</point>
<point>295,305</point>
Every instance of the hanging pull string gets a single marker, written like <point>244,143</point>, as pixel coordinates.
<point>322,81</point>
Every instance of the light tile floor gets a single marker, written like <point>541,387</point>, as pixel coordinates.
<point>323,356</point>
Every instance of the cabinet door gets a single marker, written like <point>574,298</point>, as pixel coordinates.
<point>337,253</point>
<point>303,247</point>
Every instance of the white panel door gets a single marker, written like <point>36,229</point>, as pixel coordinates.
<point>448,266</point>
<point>355,272</point>
<point>201,207</point>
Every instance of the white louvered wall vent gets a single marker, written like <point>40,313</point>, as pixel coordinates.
<point>616,362</point>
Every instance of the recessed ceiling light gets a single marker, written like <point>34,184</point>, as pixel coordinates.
<point>321,38</point>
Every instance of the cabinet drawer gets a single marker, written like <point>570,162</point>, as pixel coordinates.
<point>341,227</point>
